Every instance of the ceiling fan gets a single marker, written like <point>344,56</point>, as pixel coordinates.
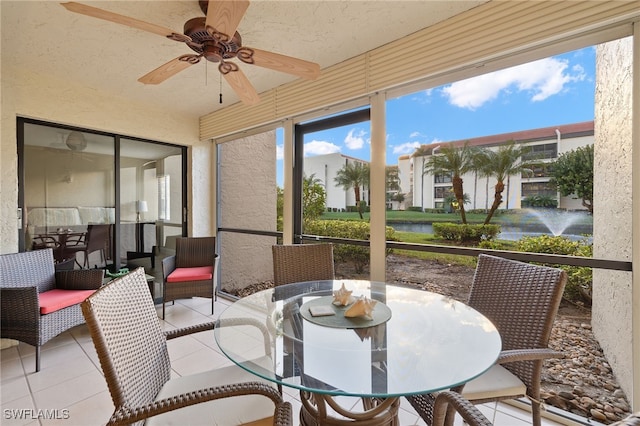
<point>214,38</point>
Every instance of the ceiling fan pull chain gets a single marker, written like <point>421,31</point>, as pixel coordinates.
<point>220,87</point>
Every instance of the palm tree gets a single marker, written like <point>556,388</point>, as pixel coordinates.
<point>478,166</point>
<point>483,168</point>
<point>504,163</point>
<point>356,176</point>
<point>456,161</point>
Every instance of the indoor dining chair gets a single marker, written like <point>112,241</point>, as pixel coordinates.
<point>97,238</point>
<point>521,300</point>
<point>302,262</point>
<point>132,349</point>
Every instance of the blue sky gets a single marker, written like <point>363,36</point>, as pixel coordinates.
<point>548,92</point>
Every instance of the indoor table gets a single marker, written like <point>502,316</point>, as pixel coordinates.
<point>58,241</point>
<point>423,342</point>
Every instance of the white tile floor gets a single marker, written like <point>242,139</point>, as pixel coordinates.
<point>70,385</point>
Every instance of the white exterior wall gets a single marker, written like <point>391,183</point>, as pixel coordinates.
<point>422,197</point>
<point>612,290</point>
<point>405,174</point>
<point>325,168</point>
<point>38,96</point>
<point>247,201</point>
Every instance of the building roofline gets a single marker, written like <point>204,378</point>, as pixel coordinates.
<point>573,130</point>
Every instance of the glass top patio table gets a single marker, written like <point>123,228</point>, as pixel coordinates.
<point>430,343</point>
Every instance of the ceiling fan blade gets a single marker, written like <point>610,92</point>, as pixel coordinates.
<point>118,19</point>
<point>169,69</point>
<point>225,16</point>
<point>283,63</point>
<point>242,86</point>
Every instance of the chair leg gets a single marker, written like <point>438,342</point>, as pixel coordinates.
<point>535,413</point>
<point>162,308</point>
<point>37,358</point>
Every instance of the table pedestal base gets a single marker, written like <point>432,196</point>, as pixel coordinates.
<point>317,409</point>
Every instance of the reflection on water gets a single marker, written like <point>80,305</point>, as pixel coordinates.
<point>511,233</point>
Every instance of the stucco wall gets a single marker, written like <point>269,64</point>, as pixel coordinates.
<point>611,313</point>
<point>27,94</point>
<point>247,201</point>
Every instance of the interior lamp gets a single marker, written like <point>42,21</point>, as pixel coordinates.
<point>141,207</point>
<point>76,141</point>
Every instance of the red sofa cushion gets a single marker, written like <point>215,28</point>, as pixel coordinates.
<point>196,273</point>
<point>56,299</point>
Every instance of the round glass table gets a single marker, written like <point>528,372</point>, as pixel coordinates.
<point>428,343</point>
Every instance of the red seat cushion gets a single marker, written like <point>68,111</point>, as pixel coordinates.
<point>54,300</point>
<point>196,273</point>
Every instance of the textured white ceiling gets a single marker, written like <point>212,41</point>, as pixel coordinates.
<point>43,36</point>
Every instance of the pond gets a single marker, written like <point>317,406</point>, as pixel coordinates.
<point>510,233</point>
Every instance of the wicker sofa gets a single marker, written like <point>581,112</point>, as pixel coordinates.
<point>37,302</point>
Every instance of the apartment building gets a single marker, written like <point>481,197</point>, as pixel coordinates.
<point>430,191</point>
<point>325,168</point>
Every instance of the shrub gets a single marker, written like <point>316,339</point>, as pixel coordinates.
<point>465,233</point>
<point>356,230</point>
<point>540,201</point>
<point>579,278</point>
<point>414,209</point>
<point>434,211</point>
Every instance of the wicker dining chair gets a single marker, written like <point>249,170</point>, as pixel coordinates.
<point>522,301</point>
<point>23,277</point>
<point>302,262</point>
<point>132,349</point>
<point>446,401</point>
<point>191,272</point>
<point>96,239</point>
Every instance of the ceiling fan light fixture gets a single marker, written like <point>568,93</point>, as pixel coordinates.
<point>76,141</point>
<point>215,38</point>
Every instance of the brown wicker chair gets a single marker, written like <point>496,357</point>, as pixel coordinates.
<point>23,276</point>
<point>132,349</point>
<point>522,301</point>
<point>97,239</point>
<point>302,262</point>
<point>446,401</point>
<point>190,252</point>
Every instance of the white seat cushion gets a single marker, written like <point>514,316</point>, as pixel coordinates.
<point>222,412</point>
<point>495,382</point>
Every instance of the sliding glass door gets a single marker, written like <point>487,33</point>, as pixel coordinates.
<point>103,200</point>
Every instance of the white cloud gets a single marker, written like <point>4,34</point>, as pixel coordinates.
<point>541,79</point>
<point>406,148</point>
<point>355,139</point>
<point>279,152</point>
<point>415,134</point>
<point>423,97</point>
<point>320,148</point>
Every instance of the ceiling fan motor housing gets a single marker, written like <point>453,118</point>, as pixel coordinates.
<point>212,45</point>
